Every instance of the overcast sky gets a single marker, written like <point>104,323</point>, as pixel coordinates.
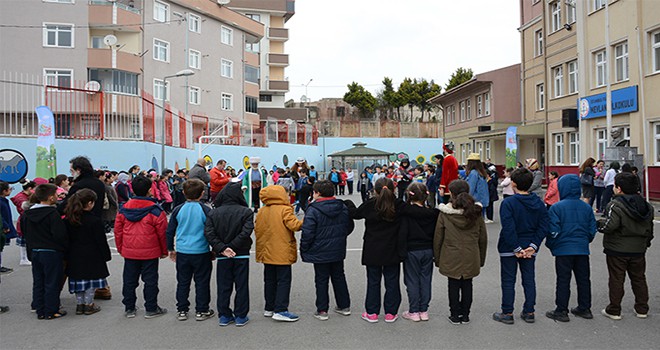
<point>336,42</point>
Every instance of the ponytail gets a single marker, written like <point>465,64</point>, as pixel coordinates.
<point>76,204</point>
<point>385,199</point>
<point>461,199</point>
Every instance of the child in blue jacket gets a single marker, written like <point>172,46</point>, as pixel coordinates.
<point>572,228</point>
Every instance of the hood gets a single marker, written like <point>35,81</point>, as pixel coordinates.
<point>569,187</point>
<point>635,204</point>
<point>39,213</point>
<point>139,207</point>
<point>232,194</point>
<point>330,207</point>
<point>455,216</point>
<point>274,195</point>
<point>530,201</point>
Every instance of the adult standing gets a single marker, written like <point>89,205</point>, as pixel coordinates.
<point>253,181</point>
<point>403,177</point>
<point>439,159</point>
<point>534,166</point>
<point>599,184</point>
<point>477,178</point>
<point>449,171</point>
<point>219,178</point>
<point>587,175</point>
<point>350,177</point>
<point>199,172</point>
<point>609,185</point>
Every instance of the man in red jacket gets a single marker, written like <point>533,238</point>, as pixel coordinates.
<point>219,178</point>
<point>449,171</point>
<point>140,238</point>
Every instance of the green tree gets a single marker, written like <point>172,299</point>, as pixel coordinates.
<point>426,90</point>
<point>408,93</point>
<point>361,99</point>
<point>460,76</point>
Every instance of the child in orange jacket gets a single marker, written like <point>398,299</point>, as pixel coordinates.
<point>552,195</point>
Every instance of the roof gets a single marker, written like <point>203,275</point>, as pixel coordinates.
<point>359,150</point>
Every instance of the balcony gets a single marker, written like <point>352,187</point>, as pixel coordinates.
<point>278,85</point>
<point>278,34</point>
<point>104,13</point>
<point>278,59</point>
<point>104,59</point>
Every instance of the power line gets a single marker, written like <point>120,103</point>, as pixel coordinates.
<point>20,26</point>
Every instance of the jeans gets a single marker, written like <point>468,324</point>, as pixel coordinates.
<point>255,198</point>
<point>598,194</point>
<point>342,189</point>
<point>607,196</point>
<point>565,266</point>
<point>460,296</point>
<point>617,267</point>
<point>277,287</point>
<point>508,271</point>
<point>364,193</point>
<point>47,275</point>
<point>417,275</point>
<point>133,269</point>
<point>197,267</point>
<point>333,271</point>
<point>350,187</point>
<point>392,300</point>
<point>489,211</point>
<point>230,273</point>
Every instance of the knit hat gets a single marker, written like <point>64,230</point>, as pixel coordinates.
<point>532,164</point>
<point>474,156</point>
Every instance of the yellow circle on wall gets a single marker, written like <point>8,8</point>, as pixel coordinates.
<point>208,160</point>
<point>246,162</point>
<point>420,159</point>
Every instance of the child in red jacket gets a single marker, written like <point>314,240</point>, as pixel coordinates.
<point>552,195</point>
<point>140,238</point>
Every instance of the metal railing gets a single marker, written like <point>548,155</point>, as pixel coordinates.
<point>120,5</point>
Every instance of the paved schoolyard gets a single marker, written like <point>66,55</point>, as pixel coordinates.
<point>108,329</point>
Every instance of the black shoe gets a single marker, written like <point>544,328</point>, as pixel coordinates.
<point>582,313</point>
<point>527,317</point>
<point>561,316</point>
<point>6,270</point>
<point>464,319</point>
<point>454,320</point>
<point>80,309</point>
<point>504,318</point>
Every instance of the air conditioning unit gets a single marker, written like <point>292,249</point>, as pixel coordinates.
<point>483,128</point>
<point>569,118</point>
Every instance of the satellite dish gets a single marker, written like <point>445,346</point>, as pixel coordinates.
<point>110,40</point>
<point>223,2</point>
<point>288,121</point>
<point>92,87</point>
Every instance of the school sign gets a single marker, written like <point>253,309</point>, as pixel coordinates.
<point>623,101</point>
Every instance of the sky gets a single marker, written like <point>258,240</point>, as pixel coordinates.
<point>336,42</point>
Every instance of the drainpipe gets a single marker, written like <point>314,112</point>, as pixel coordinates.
<point>645,124</point>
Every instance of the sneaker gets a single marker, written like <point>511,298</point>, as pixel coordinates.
<point>561,316</point>
<point>25,263</point>
<point>242,321</point>
<point>464,319</point>
<point>504,318</point>
<point>6,270</point>
<point>201,316</point>
<point>80,309</point>
<point>424,316</point>
<point>321,315</point>
<point>226,321</point>
<point>4,309</point>
<point>91,309</point>
<point>582,313</point>
<point>156,313</point>
<point>413,316</point>
<point>371,318</point>
<point>389,318</point>
<point>641,315</point>
<point>528,317</point>
<point>610,316</point>
<point>285,316</point>
<point>488,221</point>
<point>182,316</point>
<point>454,320</point>
<point>130,313</point>
<point>268,313</point>
<point>344,312</point>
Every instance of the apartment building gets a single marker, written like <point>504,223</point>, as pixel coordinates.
<point>478,112</point>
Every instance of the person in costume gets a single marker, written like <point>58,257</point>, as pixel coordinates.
<point>253,181</point>
<point>449,170</point>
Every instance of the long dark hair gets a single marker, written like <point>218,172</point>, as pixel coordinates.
<point>476,165</point>
<point>76,203</point>
<point>385,199</point>
<point>461,199</point>
<point>589,163</point>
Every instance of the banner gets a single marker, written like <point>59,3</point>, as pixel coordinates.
<point>46,154</point>
<point>511,147</point>
<point>623,101</point>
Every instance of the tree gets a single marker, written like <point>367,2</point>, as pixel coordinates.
<point>361,99</point>
<point>426,90</point>
<point>408,93</point>
<point>459,77</point>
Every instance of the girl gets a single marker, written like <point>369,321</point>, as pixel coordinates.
<point>88,251</point>
<point>122,188</point>
<point>418,226</point>
<point>342,182</point>
<point>62,181</point>
<point>476,176</point>
<point>364,186</point>
<point>587,175</point>
<point>164,189</point>
<point>609,185</point>
<point>381,251</point>
<point>507,189</point>
<point>552,195</point>
<point>110,213</point>
<point>599,184</point>
<point>460,248</point>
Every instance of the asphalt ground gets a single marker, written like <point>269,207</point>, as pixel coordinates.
<point>109,329</point>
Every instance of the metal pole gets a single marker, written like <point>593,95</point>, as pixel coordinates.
<point>645,125</point>
<point>162,146</point>
<point>608,60</point>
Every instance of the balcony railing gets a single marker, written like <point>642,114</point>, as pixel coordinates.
<point>103,58</point>
<point>278,85</point>
<point>278,34</point>
<point>117,3</point>
<point>278,59</point>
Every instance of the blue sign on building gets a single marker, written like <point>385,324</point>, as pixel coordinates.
<point>623,101</point>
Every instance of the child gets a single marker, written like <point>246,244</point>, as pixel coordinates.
<point>524,225</point>
<point>323,243</point>
<point>192,257</point>
<point>302,182</point>
<point>419,175</point>
<point>334,177</point>
<point>572,228</point>
<point>276,249</point>
<point>228,230</point>
<point>627,233</point>
<point>364,186</point>
<point>492,193</point>
<point>552,195</point>
<point>140,238</point>
<point>19,200</point>
<point>417,226</point>
<point>342,182</point>
<point>88,251</point>
<point>177,186</point>
<point>381,251</point>
<point>47,242</point>
<point>507,188</point>
<point>460,248</point>
<point>377,175</point>
<point>123,189</point>
<point>305,192</point>
<point>476,176</point>
<point>8,229</point>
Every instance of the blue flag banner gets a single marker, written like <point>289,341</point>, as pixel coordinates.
<point>46,153</point>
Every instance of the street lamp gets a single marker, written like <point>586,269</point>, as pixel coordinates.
<point>181,73</point>
<point>306,85</point>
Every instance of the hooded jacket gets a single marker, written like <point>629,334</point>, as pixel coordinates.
<point>88,249</point>
<point>459,245</point>
<point>382,244</point>
<point>274,228</point>
<point>478,188</point>
<point>231,223</point>
<point>418,227</point>
<point>324,231</point>
<point>572,221</point>
<point>524,224</point>
<point>94,184</point>
<point>43,228</point>
<point>7,222</point>
<point>628,229</point>
<point>186,226</point>
<point>140,229</point>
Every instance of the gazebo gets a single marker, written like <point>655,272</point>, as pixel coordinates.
<point>359,157</point>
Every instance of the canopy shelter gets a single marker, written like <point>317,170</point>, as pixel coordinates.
<point>359,157</point>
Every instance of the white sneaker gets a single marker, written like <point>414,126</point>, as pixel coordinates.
<point>25,263</point>
<point>641,315</point>
<point>610,316</point>
<point>268,313</point>
<point>488,221</point>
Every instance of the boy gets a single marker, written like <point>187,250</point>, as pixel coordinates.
<point>228,230</point>
<point>323,243</point>
<point>524,225</point>
<point>419,174</point>
<point>47,241</point>
<point>305,192</point>
<point>140,238</point>
<point>302,182</point>
<point>572,228</point>
<point>7,227</point>
<point>177,181</point>
<point>192,256</point>
<point>628,231</point>
<point>276,249</point>
<point>378,175</point>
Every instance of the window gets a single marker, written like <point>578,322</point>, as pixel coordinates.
<point>115,80</point>
<point>252,74</point>
<point>194,59</point>
<point>161,90</point>
<point>265,98</point>
<point>555,9</point>
<point>469,148</point>
<point>478,148</point>
<point>571,13</point>
<point>656,136</point>
<point>655,51</point>
<point>97,42</point>
<point>600,59</point>
<point>227,68</point>
<point>340,111</point>
<point>559,149</point>
<point>194,95</point>
<point>463,152</point>
<point>161,11</point>
<point>462,111</point>
<point>574,148</point>
<point>252,47</point>
<point>626,133</point>
<point>453,114</point>
<point>227,35</point>
<point>621,62</point>
<point>226,103</point>
<point>487,149</point>
<point>161,50</point>
<point>58,35</point>
<point>540,97</point>
<point>254,16</point>
<point>468,109</point>
<point>539,42</point>
<point>572,77</point>
<point>558,81</point>
<point>487,103</point>
<point>250,104</point>
<point>598,4</point>
<point>601,141</point>
<point>194,23</point>
<point>58,77</point>
<point>479,106</point>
